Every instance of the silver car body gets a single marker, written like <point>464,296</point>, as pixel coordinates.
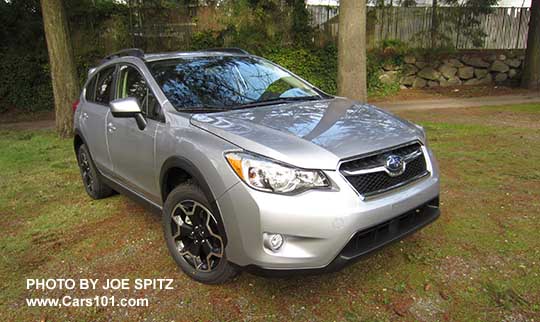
<point>317,224</point>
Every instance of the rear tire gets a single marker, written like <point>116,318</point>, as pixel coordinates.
<point>195,237</point>
<point>92,181</point>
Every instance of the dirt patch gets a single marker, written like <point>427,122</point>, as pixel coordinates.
<point>48,244</point>
<point>401,305</point>
<point>30,125</point>
<point>456,268</point>
<point>14,115</point>
<point>427,309</point>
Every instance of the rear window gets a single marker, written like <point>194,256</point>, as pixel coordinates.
<point>90,91</point>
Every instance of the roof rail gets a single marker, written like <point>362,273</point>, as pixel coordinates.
<point>232,50</point>
<point>135,52</point>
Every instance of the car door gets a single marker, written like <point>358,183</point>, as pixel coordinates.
<point>133,150</point>
<point>93,116</point>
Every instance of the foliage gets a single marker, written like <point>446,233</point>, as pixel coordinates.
<point>300,29</point>
<point>392,48</point>
<point>25,81</point>
<point>205,39</point>
<point>255,24</point>
<point>21,25</point>
<point>258,25</point>
<point>98,27</point>
<point>276,29</point>
<point>388,53</point>
<point>318,66</point>
<point>463,18</point>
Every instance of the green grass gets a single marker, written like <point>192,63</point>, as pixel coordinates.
<point>479,261</point>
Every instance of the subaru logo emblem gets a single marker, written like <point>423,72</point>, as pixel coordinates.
<point>394,165</point>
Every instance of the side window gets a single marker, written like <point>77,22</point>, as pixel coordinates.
<point>90,91</point>
<point>132,84</point>
<point>104,85</point>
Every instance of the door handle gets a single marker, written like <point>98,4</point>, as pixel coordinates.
<point>85,115</point>
<point>111,127</point>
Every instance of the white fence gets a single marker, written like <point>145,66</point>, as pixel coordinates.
<point>506,28</point>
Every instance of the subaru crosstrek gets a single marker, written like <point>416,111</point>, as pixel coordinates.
<point>250,165</point>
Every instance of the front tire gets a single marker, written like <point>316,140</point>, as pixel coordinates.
<point>195,237</point>
<point>93,184</point>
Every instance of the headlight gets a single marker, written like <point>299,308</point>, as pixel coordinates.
<point>268,175</point>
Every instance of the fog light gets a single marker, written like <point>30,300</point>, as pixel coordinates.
<point>273,241</point>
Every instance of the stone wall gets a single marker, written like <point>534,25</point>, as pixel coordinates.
<point>456,70</point>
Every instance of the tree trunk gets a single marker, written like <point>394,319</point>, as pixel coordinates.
<point>531,64</point>
<point>434,24</point>
<point>62,64</point>
<point>352,50</point>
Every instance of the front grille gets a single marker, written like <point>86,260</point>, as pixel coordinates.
<point>372,183</point>
<point>377,159</point>
<point>365,241</point>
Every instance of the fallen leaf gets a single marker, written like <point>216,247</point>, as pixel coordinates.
<point>401,307</point>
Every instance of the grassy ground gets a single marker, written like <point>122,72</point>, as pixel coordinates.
<point>479,261</point>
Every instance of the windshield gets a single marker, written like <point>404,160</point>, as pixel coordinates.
<point>222,83</point>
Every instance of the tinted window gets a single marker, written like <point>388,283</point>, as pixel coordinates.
<point>132,84</point>
<point>224,82</point>
<point>104,85</point>
<point>90,92</point>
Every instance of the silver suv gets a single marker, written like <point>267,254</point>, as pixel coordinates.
<point>249,165</point>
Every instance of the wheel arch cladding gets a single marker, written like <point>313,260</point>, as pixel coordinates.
<point>78,140</point>
<point>186,170</point>
<point>177,170</point>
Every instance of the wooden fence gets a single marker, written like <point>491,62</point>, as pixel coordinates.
<point>505,28</point>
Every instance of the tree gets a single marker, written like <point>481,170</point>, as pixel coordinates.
<point>302,32</point>
<point>62,64</point>
<point>459,17</point>
<point>352,50</point>
<point>531,67</point>
<point>434,24</point>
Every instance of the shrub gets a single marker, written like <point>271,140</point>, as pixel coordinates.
<point>24,81</point>
<point>318,66</point>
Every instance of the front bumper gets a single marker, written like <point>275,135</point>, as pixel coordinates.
<point>323,229</point>
<point>367,241</point>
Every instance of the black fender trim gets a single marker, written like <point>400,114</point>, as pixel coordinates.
<point>191,169</point>
<point>77,132</point>
<point>198,178</point>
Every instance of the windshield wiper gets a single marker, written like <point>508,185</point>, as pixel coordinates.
<point>204,109</point>
<point>278,100</point>
<point>271,101</point>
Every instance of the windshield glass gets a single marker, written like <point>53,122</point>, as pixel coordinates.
<point>226,82</point>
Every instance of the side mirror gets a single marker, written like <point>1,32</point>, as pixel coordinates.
<point>128,107</point>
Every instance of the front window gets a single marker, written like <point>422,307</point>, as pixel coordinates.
<point>131,83</point>
<point>222,83</point>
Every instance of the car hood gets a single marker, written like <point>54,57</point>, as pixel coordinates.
<point>312,134</point>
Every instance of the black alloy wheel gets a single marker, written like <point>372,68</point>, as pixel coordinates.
<point>195,232</point>
<point>195,235</point>
<point>93,183</point>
